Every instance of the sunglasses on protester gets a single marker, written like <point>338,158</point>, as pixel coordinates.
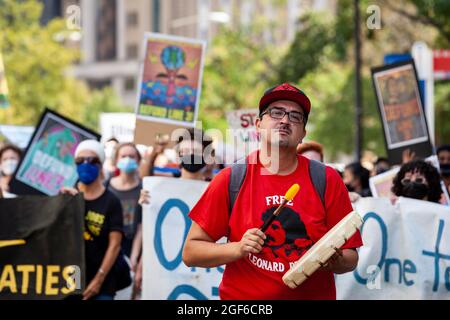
<point>91,160</point>
<point>407,181</point>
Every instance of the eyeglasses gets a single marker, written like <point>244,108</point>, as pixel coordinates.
<point>91,160</point>
<point>278,113</point>
<point>407,181</point>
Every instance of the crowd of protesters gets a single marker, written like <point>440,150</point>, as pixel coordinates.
<point>110,178</point>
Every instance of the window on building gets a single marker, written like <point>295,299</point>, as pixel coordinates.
<point>130,84</point>
<point>132,19</point>
<point>98,83</point>
<point>132,51</point>
<point>106,30</point>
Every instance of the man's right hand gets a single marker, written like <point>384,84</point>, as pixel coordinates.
<point>251,242</point>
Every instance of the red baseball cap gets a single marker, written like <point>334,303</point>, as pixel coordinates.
<point>285,91</point>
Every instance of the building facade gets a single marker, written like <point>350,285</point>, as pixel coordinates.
<point>110,33</point>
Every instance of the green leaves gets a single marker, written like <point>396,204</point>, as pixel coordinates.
<point>36,66</point>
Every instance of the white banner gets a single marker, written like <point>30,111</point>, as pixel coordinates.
<point>117,125</point>
<point>165,226</point>
<point>18,135</point>
<point>243,134</point>
<point>406,252</point>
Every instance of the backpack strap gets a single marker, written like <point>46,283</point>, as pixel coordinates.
<point>317,173</point>
<point>237,176</point>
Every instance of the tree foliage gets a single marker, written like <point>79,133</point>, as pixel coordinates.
<point>35,68</point>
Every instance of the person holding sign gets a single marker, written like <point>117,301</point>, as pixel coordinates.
<point>103,222</point>
<point>255,260</point>
<point>419,180</point>
<point>194,150</point>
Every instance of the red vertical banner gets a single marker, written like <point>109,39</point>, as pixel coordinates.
<point>441,64</point>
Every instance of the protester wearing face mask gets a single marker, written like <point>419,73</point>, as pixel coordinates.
<point>9,160</point>
<point>380,166</point>
<point>195,151</point>
<point>192,154</point>
<point>356,179</point>
<point>103,222</point>
<point>109,168</point>
<point>127,186</point>
<point>418,179</point>
<point>443,153</point>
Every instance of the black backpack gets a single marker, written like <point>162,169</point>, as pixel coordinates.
<point>317,173</point>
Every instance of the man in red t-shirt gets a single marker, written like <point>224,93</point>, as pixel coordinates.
<point>256,261</point>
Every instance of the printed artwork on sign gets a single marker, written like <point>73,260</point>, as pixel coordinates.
<point>171,79</point>
<point>48,164</point>
<point>401,107</point>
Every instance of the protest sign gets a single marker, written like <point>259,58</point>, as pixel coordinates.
<point>41,247</point>
<point>401,110</point>
<point>381,184</point>
<point>165,226</point>
<point>17,135</point>
<point>170,85</point>
<point>48,163</point>
<point>117,125</point>
<point>243,134</point>
<point>406,252</point>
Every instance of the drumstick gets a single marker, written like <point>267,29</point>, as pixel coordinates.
<point>290,194</point>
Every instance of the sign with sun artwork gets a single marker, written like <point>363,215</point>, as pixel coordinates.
<point>170,79</point>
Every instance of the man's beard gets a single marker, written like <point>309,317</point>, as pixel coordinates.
<point>279,140</point>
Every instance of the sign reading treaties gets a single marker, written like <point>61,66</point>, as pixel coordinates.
<point>41,247</point>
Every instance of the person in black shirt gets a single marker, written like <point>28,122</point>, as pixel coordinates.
<point>103,222</point>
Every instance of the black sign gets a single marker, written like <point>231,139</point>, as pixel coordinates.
<point>41,247</point>
<point>401,110</point>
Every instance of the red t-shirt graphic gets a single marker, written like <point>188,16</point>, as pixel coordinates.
<point>302,222</point>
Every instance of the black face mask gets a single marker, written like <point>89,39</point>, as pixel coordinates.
<point>415,190</point>
<point>350,188</point>
<point>445,170</point>
<point>193,163</point>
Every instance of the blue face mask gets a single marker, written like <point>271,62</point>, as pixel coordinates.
<point>127,165</point>
<point>87,172</point>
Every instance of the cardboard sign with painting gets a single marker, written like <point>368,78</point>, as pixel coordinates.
<point>170,86</point>
<point>401,110</point>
